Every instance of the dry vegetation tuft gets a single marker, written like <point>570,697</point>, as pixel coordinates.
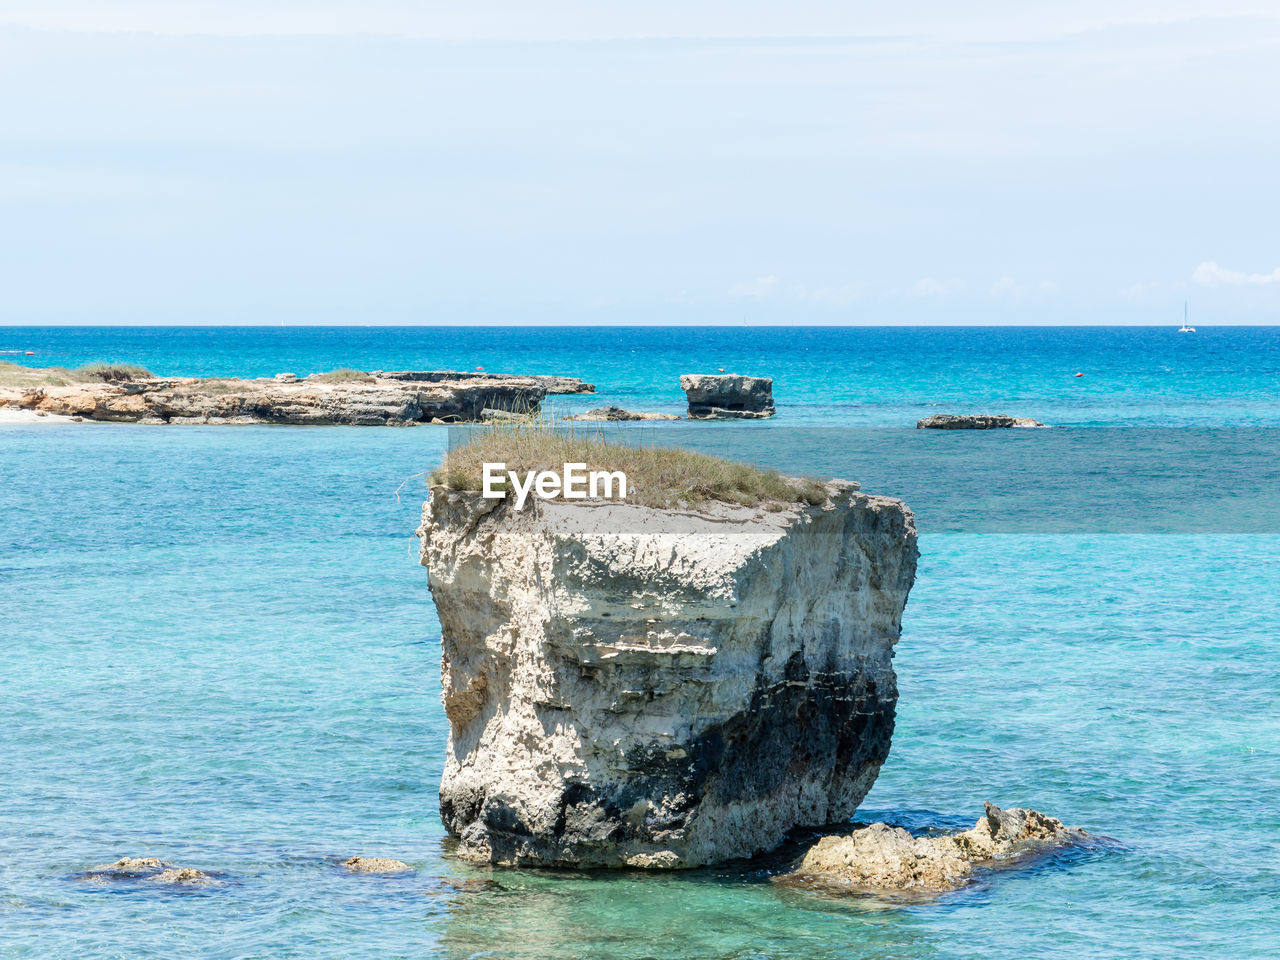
<point>658,476</point>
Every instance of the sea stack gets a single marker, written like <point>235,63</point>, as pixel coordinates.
<point>728,396</point>
<point>629,686</point>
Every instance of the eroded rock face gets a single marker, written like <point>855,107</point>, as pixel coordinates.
<point>974,421</point>
<point>628,686</point>
<point>728,396</point>
<point>550,384</point>
<point>881,857</point>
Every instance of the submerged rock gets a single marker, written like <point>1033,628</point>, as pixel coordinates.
<point>617,413</point>
<point>375,865</point>
<point>184,877</point>
<point>881,857</point>
<point>471,885</point>
<point>630,686</point>
<point>727,396</point>
<point>974,421</point>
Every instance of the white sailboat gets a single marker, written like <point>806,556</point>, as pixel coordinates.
<point>1186,327</point>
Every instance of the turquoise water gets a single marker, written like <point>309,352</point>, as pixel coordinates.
<point>219,649</point>
<point>881,376</point>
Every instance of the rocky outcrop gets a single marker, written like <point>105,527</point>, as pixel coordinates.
<point>375,865</point>
<point>974,421</point>
<point>629,686</point>
<point>881,857</point>
<point>150,869</point>
<point>612,413</point>
<point>366,400</point>
<point>727,396</point>
<point>129,867</point>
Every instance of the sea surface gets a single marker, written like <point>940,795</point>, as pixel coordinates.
<point>219,649</point>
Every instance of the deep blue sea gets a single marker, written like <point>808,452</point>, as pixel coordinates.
<point>219,649</point>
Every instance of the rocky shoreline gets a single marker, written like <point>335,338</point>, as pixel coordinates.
<point>355,398</point>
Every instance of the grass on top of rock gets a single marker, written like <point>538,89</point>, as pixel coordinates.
<point>342,375</point>
<point>16,375</point>
<point>660,477</point>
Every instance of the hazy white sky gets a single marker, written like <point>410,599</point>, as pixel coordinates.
<point>416,162</point>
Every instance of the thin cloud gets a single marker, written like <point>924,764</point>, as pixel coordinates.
<point>759,287</point>
<point>1007,288</point>
<point>927,287</point>
<point>1213,275</point>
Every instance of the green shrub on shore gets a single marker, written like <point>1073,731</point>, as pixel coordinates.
<point>342,375</point>
<point>111,372</point>
<point>16,375</point>
<point>660,477</point>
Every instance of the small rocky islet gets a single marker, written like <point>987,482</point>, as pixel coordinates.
<point>705,680</point>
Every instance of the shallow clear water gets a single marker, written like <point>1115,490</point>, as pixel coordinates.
<point>219,649</point>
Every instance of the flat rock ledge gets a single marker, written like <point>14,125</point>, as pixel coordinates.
<point>612,413</point>
<point>975,421</point>
<point>383,399</point>
<point>728,396</point>
<point>634,687</point>
<point>879,857</point>
<point>375,865</point>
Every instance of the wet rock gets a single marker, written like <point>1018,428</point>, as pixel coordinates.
<point>612,413</point>
<point>629,686</point>
<point>881,857</point>
<point>974,421</point>
<point>728,396</point>
<point>375,865</point>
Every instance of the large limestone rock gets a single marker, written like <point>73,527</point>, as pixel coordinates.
<point>881,857</point>
<point>728,396</point>
<point>627,686</point>
<point>974,421</point>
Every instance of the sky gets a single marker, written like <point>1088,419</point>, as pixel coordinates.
<point>396,162</point>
